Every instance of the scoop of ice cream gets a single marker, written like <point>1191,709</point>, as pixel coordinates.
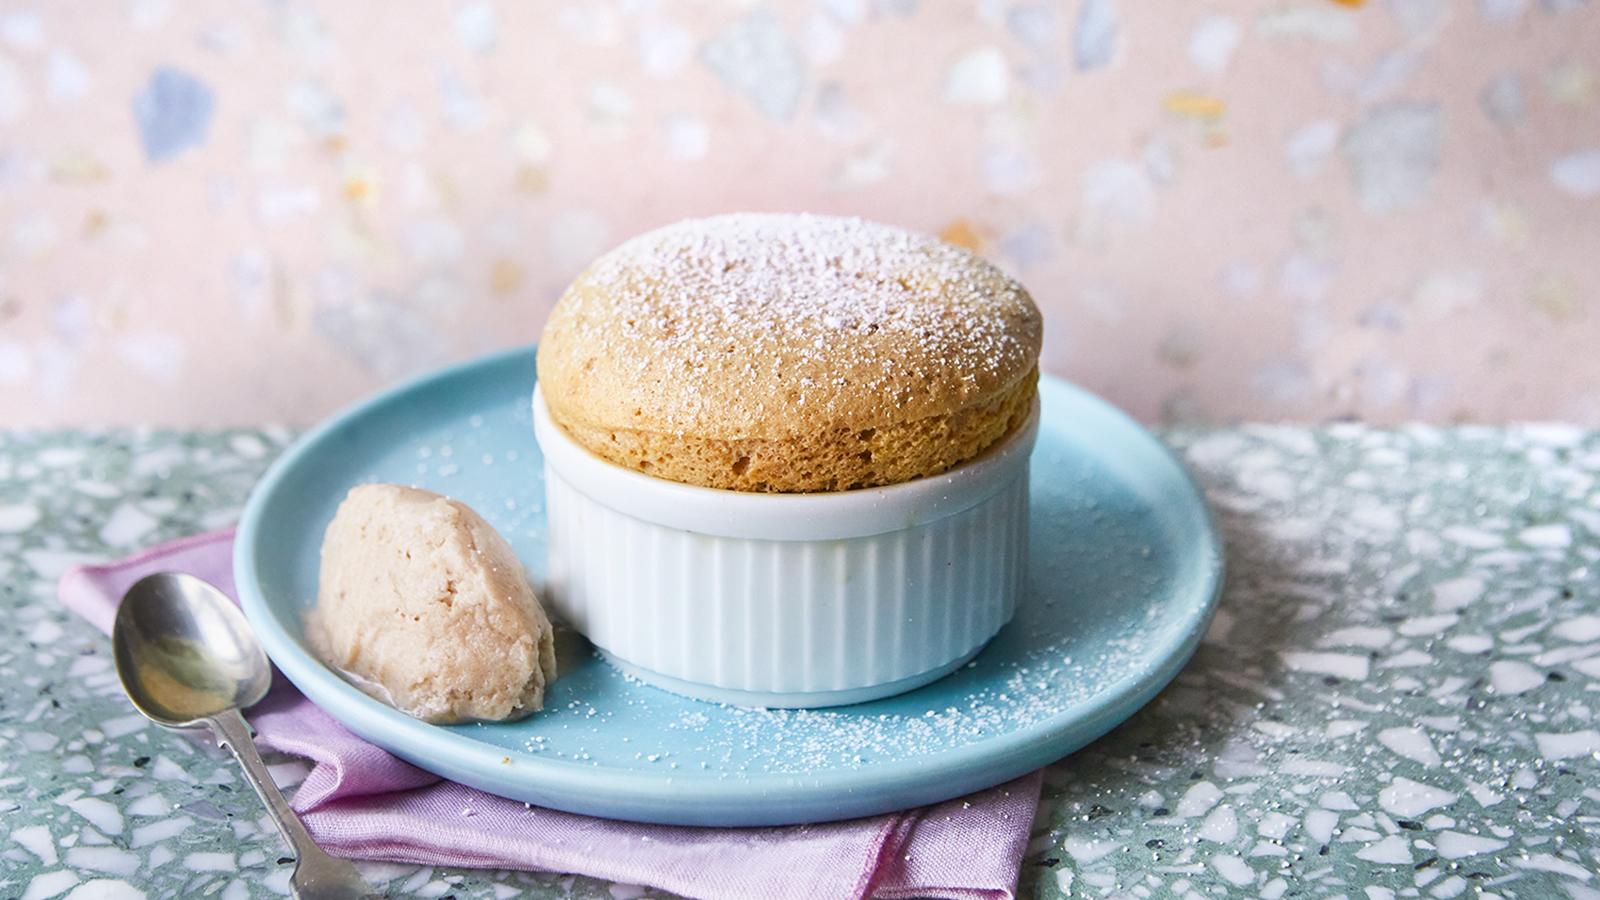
<point>423,599</point>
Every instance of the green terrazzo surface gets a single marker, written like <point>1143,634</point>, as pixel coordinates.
<point>1398,698</point>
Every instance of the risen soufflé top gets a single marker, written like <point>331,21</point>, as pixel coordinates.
<point>792,353</point>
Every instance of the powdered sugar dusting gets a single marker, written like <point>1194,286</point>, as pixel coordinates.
<point>733,742</point>
<point>800,312</point>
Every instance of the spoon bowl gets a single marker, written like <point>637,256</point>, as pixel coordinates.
<point>184,651</point>
<point>187,657</point>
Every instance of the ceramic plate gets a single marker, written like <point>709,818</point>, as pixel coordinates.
<point>1124,571</point>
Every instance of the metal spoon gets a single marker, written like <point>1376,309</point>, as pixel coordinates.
<point>186,656</point>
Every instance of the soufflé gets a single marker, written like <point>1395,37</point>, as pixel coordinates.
<point>790,353</point>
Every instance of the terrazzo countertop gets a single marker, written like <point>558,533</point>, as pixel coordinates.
<point>1398,697</point>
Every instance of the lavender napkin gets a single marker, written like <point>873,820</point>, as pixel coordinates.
<point>361,802</point>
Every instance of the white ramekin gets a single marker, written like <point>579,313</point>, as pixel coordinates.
<point>785,600</point>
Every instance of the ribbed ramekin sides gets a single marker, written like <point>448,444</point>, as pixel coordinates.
<point>765,620</point>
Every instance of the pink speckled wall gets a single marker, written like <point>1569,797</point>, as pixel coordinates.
<point>226,213</point>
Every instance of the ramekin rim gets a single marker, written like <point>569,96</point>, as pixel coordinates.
<point>834,515</point>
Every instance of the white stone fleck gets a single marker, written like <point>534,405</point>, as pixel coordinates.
<point>1456,845</point>
<point>278,880</point>
<point>1568,745</point>
<point>1428,625</point>
<point>122,726</point>
<point>1511,677</point>
<point>1408,659</point>
<point>1339,728</point>
<point>1315,768</point>
<point>1562,655</point>
<point>1115,196</point>
<point>1503,99</point>
<point>87,666</point>
<point>1578,629</point>
<point>36,839</point>
<point>1343,665</point>
<point>1307,149</point>
<point>1338,800</point>
<point>159,830</point>
<point>1390,851</point>
<point>1475,538</point>
<point>1275,825</point>
<point>109,860</point>
<point>1197,800</point>
<point>1547,862</point>
<point>1457,593</point>
<point>1267,848</point>
<point>97,489</point>
<point>1275,730</point>
<point>1470,643</point>
<point>755,57</point>
<point>1481,794</point>
<point>1555,536</point>
<point>52,564</point>
<point>100,813</point>
<point>1221,826</point>
<point>1234,869</point>
<point>149,804</point>
<point>475,27</point>
<point>1087,850</point>
<point>248,446</point>
<point>1358,636</point>
<point>1411,743</point>
<point>167,770</point>
<point>686,137</point>
<point>1578,174</point>
<point>979,77</point>
<point>1318,22</point>
<point>1408,799</point>
<point>1212,42</point>
<point>1096,37</point>
<point>45,631</point>
<point>106,889</point>
<point>126,526</point>
<point>1393,152</point>
<point>49,884</point>
<point>1320,824</point>
<point>209,861</point>
<point>155,354</point>
<point>18,517</point>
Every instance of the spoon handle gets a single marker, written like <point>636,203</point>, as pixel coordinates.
<point>317,876</point>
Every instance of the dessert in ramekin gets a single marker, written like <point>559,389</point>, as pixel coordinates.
<point>786,456</point>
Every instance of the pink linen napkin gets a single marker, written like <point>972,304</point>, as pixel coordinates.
<point>361,802</point>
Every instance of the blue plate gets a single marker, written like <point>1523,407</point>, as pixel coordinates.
<point>1124,572</point>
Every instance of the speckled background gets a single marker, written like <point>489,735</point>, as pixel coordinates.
<point>242,212</point>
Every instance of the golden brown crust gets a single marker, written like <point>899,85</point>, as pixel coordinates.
<point>789,353</point>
